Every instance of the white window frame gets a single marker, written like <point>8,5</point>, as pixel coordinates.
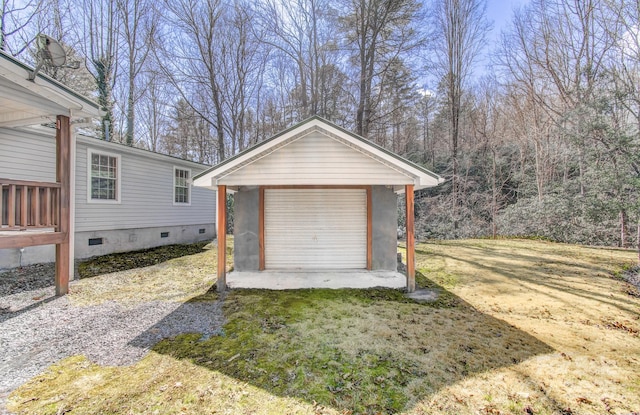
<point>118,157</point>
<point>189,187</point>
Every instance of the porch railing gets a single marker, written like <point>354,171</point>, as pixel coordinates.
<point>26,205</point>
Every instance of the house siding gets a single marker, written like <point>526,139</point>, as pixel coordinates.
<point>316,159</point>
<point>146,207</point>
<point>146,199</point>
<point>26,155</point>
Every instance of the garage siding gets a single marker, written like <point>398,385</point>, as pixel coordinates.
<point>316,159</point>
<point>315,228</point>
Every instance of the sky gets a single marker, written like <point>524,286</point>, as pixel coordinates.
<point>500,12</point>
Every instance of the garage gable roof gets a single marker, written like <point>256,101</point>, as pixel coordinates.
<point>249,167</point>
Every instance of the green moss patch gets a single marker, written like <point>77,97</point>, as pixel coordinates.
<point>367,351</point>
<point>136,259</point>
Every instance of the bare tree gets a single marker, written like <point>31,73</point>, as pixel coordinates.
<point>377,32</point>
<point>287,26</point>
<point>491,123</point>
<point>461,27</point>
<point>16,20</point>
<point>626,69</point>
<point>100,27</point>
<point>138,27</point>
<point>241,71</point>
<point>154,109</point>
<point>300,33</point>
<point>626,62</point>
<point>192,62</point>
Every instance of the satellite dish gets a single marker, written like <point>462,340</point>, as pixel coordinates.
<point>50,52</point>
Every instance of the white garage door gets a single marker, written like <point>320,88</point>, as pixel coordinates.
<point>315,228</point>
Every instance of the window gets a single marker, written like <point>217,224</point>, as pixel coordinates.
<point>104,177</point>
<point>181,186</point>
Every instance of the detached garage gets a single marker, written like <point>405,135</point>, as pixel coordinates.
<point>315,197</point>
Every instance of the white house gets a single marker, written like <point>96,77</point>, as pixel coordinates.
<point>121,198</point>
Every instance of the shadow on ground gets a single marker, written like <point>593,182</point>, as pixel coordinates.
<point>26,288</point>
<point>564,279</point>
<point>366,351</point>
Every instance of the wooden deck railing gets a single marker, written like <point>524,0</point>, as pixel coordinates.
<point>26,205</point>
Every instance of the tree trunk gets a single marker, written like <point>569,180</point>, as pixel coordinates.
<point>455,118</point>
<point>130,109</point>
<point>219,126</point>
<point>362,104</point>
<point>494,198</point>
<point>623,229</point>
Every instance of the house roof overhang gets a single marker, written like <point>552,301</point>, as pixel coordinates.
<point>420,177</point>
<point>24,102</point>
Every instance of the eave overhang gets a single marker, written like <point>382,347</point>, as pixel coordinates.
<point>24,102</point>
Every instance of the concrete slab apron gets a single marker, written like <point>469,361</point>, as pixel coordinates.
<point>292,280</point>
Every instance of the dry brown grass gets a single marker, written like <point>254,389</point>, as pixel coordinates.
<point>157,385</point>
<point>534,327</point>
<point>564,295</point>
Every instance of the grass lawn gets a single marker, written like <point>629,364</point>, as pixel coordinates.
<point>521,327</point>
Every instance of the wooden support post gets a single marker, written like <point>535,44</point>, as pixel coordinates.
<point>63,176</point>
<point>369,228</point>
<point>221,199</point>
<point>411,244</point>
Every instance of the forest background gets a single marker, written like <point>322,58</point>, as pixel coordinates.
<point>537,130</point>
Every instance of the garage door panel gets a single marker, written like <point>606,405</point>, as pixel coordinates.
<point>315,228</point>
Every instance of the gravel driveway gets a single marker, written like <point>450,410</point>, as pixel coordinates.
<point>38,329</point>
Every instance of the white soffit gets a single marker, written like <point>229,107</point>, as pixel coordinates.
<point>44,96</point>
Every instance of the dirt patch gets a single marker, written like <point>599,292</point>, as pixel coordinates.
<point>27,278</point>
<point>632,276</point>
